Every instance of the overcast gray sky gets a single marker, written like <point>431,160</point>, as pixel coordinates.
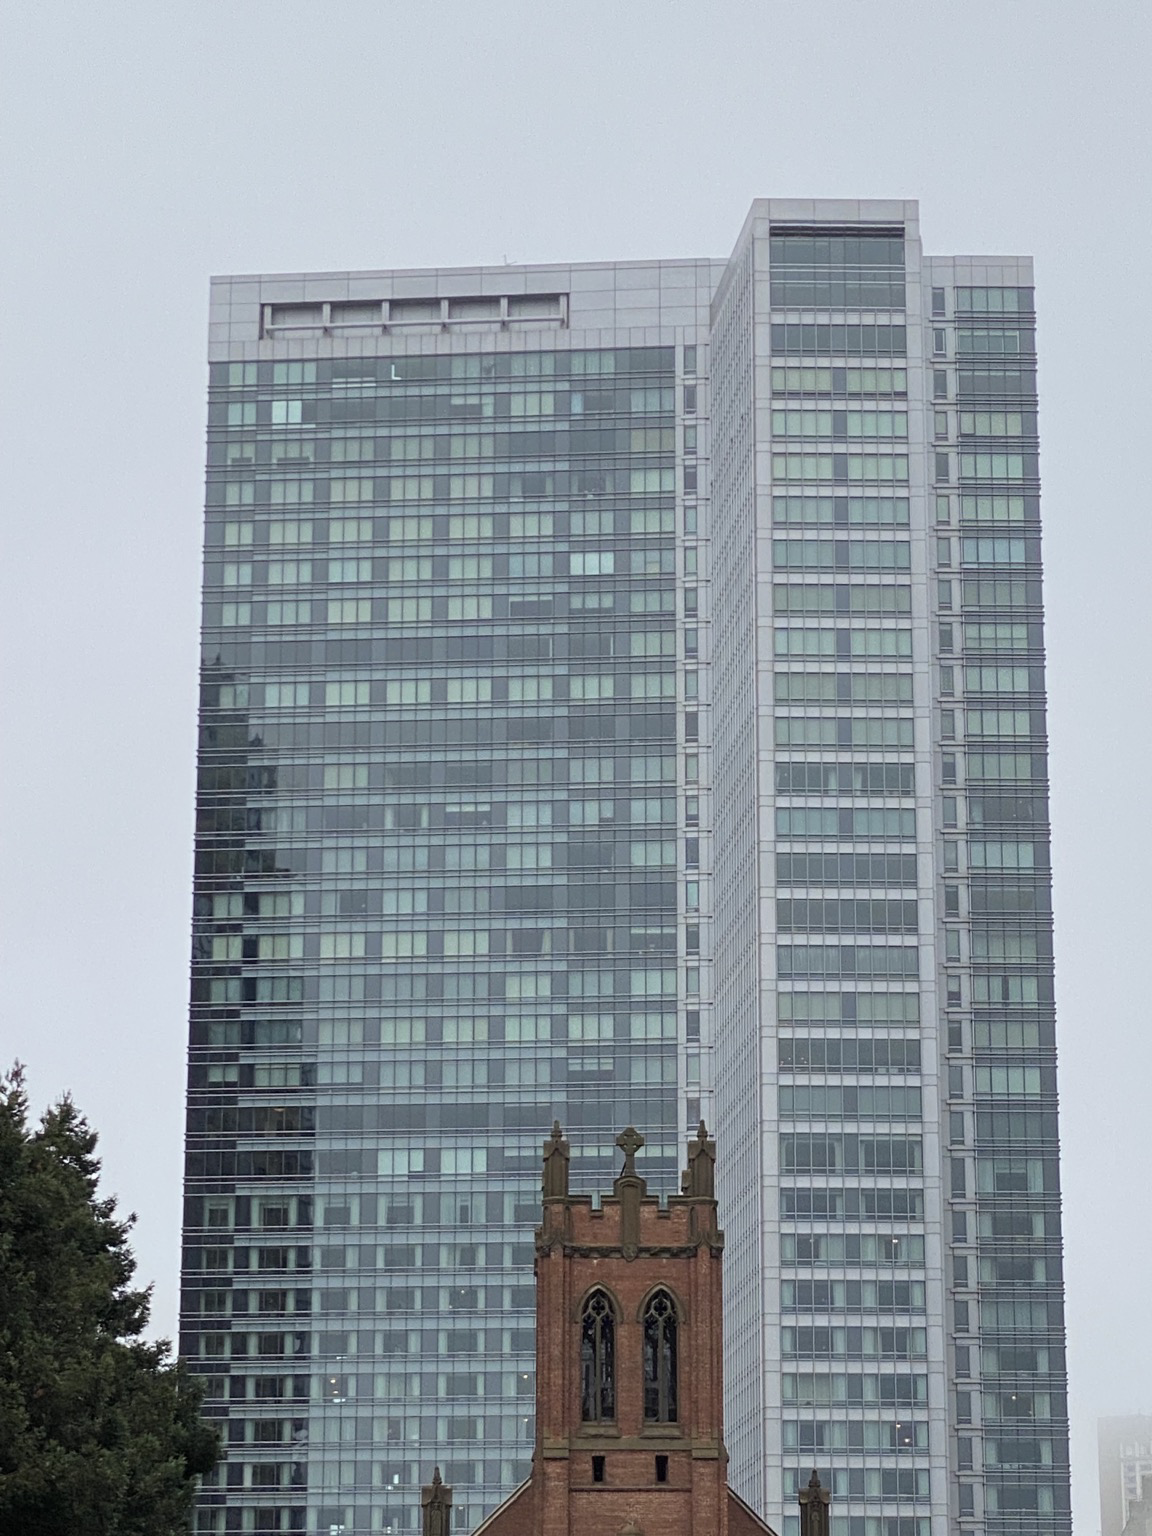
<point>145,146</point>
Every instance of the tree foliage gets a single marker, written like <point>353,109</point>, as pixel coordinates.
<point>100,1430</point>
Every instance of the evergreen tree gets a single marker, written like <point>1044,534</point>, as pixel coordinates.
<point>100,1431</point>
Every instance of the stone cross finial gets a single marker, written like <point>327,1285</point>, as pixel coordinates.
<point>629,1141</point>
<point>436,1503</point>
<point>556,1157</point>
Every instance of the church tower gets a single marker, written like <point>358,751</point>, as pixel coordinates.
<point>629,1387</point>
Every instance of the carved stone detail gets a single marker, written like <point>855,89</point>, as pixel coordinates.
<point>814,1513</point>
<point>436,1505</point>
<point>699,1182</point>
<point>557,1154</point>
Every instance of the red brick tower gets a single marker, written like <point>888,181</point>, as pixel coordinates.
<point>629,1390</point>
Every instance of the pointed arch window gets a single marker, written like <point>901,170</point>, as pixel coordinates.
<point>597,1360</point>
<point>660,1351</point>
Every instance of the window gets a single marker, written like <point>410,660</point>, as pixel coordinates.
<point>287,573</point>
<point>346,694</point>
<point>593,562</point>
<point>993,552</point>
<point>346,946</point>
<point>293,493</point>
<point>994,343</point>
<point>350,570</point>
<point>997,679</point>
<point>585,688</point>
<point>839,381</point>
<point>993,466</point>
<point>289,531</point>
<point>471,526</point>
<point>469,690</point>
<point>994,301</point>
<point>530,525</point>
<point>856,269</point>
<point>286,695</point>
<point>993,509</point>
<point>996,423</point>
<point>408,691</point>
<point>356,610</point>
<point>660,1360</point>
<point>351,450</point>
<point>656,685</point>
<point>840,467</point>
<point>469,608</point>
<point>287,413</point>
<point>350,530</point>
<point>470,568</point>
<point>839,424</point>
<point>598,1360</point>
<point>411,528</point>
<point>344,491</point>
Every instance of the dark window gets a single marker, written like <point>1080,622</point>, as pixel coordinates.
<point>852,268</point>
<point>800,340</point>
<point>597,1360</point>
<point>597,1469</point>
<point>661,1469</point>
<point>660,1360</point>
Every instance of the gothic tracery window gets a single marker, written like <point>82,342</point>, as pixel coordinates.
<point>597,1360</point>
<point>660,1360</point>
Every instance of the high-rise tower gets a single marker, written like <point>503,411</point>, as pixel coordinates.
<point>883,1024</point>
<point>449,849</point>
<point>540,602</point>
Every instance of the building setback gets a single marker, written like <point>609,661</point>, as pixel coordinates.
<point>623,700</point>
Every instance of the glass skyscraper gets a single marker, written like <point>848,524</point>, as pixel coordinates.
<point>623,700</point>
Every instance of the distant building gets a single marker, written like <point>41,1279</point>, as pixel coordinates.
<point>1125,1450</point>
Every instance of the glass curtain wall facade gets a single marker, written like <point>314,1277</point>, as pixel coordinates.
<point>883,1025</point>
<point>574,635</point>
<point>448,865</point>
